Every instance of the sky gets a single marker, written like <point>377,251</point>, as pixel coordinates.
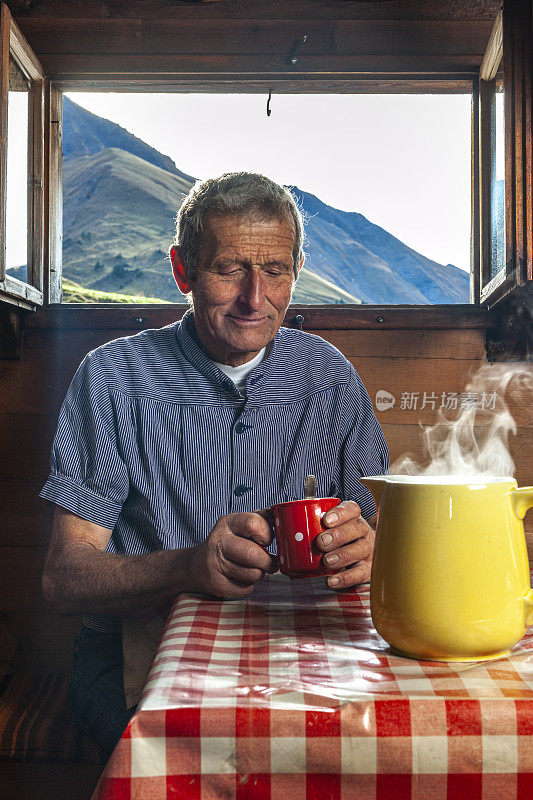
<point>17,179</point>
<point>403,161</point>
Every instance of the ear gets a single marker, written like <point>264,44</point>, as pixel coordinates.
<point>179,271</point>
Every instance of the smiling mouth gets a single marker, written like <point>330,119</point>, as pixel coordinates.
<point>248,320</point>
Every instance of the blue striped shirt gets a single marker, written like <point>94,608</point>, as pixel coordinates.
<point>156,443</point>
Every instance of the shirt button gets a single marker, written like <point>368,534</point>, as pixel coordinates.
<point>240,490</point>
<point>240,427</point>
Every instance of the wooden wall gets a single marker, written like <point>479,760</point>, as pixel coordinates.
<point>243,38</point>
<point>395,359</point>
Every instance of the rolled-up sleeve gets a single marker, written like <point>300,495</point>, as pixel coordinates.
<point>365,450</point>
<point>87,474</point>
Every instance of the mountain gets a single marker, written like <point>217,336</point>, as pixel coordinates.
<point>359,256</point>
<point>85,133</point>
<point>120,201</point>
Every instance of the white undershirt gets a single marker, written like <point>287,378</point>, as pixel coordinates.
<point>239,374</point>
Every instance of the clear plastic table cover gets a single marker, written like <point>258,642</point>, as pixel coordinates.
<point>297,644</point>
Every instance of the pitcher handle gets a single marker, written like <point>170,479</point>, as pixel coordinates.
<point>529,607</point>
<point>522,500</point>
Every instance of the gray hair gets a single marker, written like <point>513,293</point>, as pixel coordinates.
<point>235,194</point>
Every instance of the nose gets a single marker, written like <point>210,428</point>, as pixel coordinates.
<point>252,290</point>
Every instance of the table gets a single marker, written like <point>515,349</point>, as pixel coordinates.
<point>293,695</point>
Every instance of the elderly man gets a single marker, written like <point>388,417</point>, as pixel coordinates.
<point>168,441</point>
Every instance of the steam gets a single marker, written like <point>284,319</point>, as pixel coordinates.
<point>476,441</point>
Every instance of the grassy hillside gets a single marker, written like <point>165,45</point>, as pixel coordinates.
<point>74,293</point>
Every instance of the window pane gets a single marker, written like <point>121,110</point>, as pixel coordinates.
<point>497,188</point>
<point>17,172</point>
<point>385,181</point>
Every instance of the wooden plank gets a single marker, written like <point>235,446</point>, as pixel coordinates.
<point>10,332</point>
<point>26,520</point>
<point>509,65</point>
<point>60,67</point>
<point>432,381</point>
<point>396,84</point>
<point>23,53</point>
<point>26,442</point>
<point>35,193</point>
<point>518,146</point>
<point>325,37</point>
<point>462,344</point>
<point>5,19</point>
<point>457,344</point>
<point>390,317</point>
<point>493,53</point>
<point>46,781</point>
<point>273,9</point>
<point>69,316</point>
<point>486,99</point>
<point>53,238</point>
<point>21,569</point>
<point>25,58</point>
<point>528,139</point>
<point>475,274</point>
<point>21,290</point>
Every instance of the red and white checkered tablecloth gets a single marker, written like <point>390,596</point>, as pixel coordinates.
<point>292,694</point>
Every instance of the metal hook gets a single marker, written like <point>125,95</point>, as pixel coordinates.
<point>295,52</point>
<point>269,110</point>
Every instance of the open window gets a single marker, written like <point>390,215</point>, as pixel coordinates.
<point>506,225</point>
<point>501,174</point>
<point>21,169</point>
<point>388,217</point>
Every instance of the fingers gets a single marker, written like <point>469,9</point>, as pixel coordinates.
<point>253,526</point>
<point>345,524</point>
<point>358,573</point>
<point>241,574</point>
<point>343,512</point>
<point>267,514</point>
<point>247,553</point>
<point>347,544</point>
<point>349,554</point>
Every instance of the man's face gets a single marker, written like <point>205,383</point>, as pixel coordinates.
<point>243,285</point>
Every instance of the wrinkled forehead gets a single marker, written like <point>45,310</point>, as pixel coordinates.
<point>254,226</point>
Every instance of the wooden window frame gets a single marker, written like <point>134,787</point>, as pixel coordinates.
<point>484,294</point>
<point>508,45</point>
<point>458,83</point>
<point>30,293</point>
<point>491,63</point>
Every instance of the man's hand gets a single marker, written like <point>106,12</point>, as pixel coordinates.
<point>348,545</point>
<point>231,560</point>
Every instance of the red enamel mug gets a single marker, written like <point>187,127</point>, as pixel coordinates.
<point>297,524</point>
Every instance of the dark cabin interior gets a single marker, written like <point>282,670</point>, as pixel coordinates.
<point>234,45</point>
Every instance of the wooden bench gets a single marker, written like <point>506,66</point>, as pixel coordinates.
<point>43,754</point>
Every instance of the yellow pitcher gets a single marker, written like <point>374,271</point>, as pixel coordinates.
<point>450,576</point>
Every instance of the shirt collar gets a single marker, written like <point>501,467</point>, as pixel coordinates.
<point>190,346</point>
